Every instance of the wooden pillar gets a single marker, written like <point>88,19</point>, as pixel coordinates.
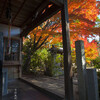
<point>4,81</point>
<point>21,46</point>
<point>92,84</point>
<point>20,58</point>
<point>1,62</point>
<point>67,53</point>
<point>81,69</point>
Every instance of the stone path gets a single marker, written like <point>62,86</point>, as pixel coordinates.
<point>54,85</point>
<point>24,92</point>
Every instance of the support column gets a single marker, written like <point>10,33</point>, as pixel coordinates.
<point>20,57</point>
<point>92,84</point>
<point>81,69</point>
<point>1,62</point>
<point>67,53</point>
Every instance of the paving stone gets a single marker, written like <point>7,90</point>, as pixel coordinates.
<point>24,92</point>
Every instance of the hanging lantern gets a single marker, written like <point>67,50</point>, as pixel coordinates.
<point>8,16</point>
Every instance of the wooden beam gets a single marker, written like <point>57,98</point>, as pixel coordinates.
<point>40,19</point>
<point>7,24</point>
<point>4,6</point>
<point>22,5</point>
<point>38,9</point>
<point>57,2</point>
<point>67,53</point>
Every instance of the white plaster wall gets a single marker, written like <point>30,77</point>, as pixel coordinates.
<point>15,31</point>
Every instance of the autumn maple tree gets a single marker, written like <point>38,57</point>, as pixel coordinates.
<point>38,38</point>
<point>82,17</point>
<point>91,51</point>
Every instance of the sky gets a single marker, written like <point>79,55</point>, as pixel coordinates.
<point>96,37</point>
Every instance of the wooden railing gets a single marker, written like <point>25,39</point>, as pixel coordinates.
<point>12,57</point>
<point>11,63</point>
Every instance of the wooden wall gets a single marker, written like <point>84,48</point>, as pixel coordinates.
<point>13,72</point>
<point>14,66</point>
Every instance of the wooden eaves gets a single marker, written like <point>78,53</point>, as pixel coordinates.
<point>28,14</point>
<point>41,17</point>
<point>57,2</point>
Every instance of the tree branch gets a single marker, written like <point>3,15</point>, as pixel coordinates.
<point>42,42</point>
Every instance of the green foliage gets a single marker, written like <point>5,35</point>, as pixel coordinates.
<point>41,60</point>
<point>58,65</point>
<point>37,60</point>
<point>59,44</point>
<point>53,65</point>
<point>96,62</point>
<point>97,22</point>
<point>49,65</point>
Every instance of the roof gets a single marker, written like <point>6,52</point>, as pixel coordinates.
<point>56,50</point>
<point>27,13</point>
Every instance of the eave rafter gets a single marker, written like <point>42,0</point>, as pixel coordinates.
<point>22,5</point>
<point>49,12</point>
<point>40,7</point>
<point>11,24</point>
<point>57,2</point>
<point>4,7</point>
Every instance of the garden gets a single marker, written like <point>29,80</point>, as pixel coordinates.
<point>84,20</point>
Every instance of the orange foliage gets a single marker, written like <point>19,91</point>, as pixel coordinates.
<point>82,17</point>
<point>91,51</point>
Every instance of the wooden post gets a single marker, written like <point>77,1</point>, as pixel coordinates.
<point>67,53</point>
<point>20,58</point>
<point>1,62</point>
<point>92,84</point>
<point>81,69</point>
<point>4,81</point>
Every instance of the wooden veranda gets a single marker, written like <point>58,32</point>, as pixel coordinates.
<point>28,14</point>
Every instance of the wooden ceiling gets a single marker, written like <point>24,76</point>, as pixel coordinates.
<point>25,11</point>
<point>21,10</point>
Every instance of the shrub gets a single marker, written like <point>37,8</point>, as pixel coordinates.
<point>96,62</point>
